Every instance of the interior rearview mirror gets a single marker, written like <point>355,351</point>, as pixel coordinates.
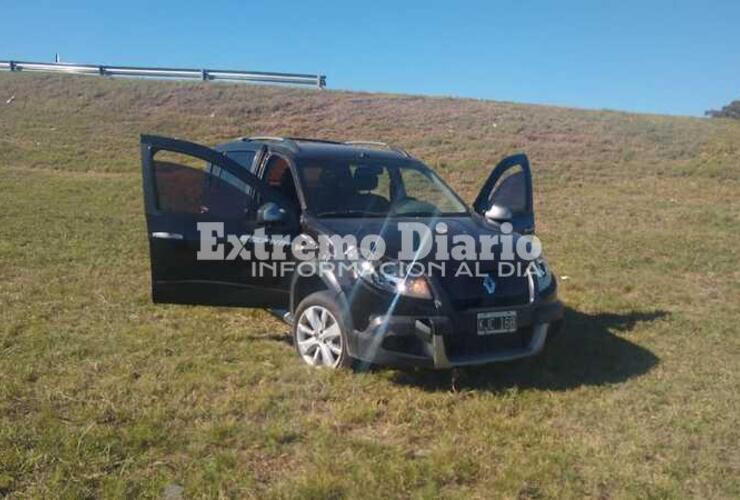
<point>271,213</point>
<point>498,213</point>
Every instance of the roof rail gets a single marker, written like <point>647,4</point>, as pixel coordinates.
<point>378,144</point>
<point>264,138</point>
<point>287,140</point>
<point>308,139</point>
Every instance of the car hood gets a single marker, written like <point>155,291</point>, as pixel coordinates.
<point>463,290</point>
<point>474,226</point>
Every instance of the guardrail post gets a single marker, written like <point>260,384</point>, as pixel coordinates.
<point>204,74</point>
<point>101,70</point>
<point>12,65</point>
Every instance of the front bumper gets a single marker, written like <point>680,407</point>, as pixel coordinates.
<point>451,341</point>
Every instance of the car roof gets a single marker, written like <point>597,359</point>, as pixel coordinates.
<point>299,147</point>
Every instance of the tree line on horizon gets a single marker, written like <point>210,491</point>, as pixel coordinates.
<point>732,110</point>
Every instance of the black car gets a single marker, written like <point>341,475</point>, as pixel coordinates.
<point>269,222</point>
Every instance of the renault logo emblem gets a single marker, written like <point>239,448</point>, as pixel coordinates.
<point>489,284</point>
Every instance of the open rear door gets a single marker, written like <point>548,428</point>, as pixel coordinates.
<point>507,194</point>
<point>194,194</point>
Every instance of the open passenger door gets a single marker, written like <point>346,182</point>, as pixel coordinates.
<point>507,194</point>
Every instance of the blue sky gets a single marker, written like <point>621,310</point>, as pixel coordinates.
<point>674,57</point>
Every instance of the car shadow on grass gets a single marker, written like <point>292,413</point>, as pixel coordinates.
<point>591,350</point>
<point>283,336</point>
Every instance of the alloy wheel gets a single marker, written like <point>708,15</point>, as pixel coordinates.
<point>318,337</point>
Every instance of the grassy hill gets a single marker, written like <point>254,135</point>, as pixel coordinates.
<point>104,394</point>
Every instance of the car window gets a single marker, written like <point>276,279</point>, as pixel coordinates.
<point>511,191</point>
<point>421,186</point>
<point>243,158</point>
<point>370,180</point>
<point>187,185</point>
<point>278,175</point>
<point>275,171</point>
<point>371,188</point>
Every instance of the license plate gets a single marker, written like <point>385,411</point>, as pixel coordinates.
<point>490,323</point>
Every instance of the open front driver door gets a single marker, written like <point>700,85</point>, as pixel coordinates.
<point>191,207</point>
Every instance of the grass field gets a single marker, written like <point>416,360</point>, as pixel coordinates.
<point>104,394</point>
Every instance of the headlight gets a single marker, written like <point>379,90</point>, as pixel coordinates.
<point>394,277</point>
<point>542,274</point>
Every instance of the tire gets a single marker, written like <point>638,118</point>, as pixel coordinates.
<point>320,332</point>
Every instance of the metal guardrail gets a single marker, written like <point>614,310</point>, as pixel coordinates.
<point>175,73</point>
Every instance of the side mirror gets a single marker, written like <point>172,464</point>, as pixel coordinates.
<point>498,213</point>
<point>271,213</point>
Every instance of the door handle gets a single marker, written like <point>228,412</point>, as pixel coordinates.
<point>167,236</point>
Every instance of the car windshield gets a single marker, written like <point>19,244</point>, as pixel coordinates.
<point>375,188</point>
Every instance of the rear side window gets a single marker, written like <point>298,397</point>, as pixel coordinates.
<point>187,185</point>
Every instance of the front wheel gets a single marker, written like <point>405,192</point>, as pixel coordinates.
<point>320,333</point>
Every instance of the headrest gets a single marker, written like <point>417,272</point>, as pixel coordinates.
<point>335,178</point>
<point>366,178</point>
